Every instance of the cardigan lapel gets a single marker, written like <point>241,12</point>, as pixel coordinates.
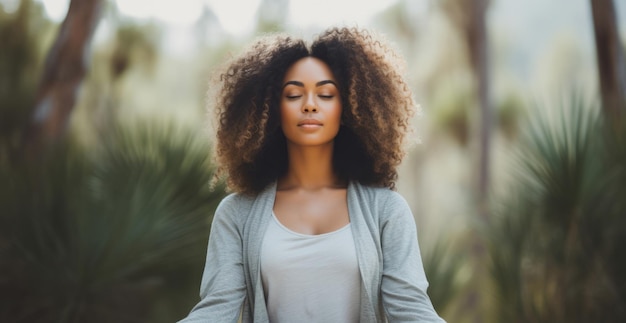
<point>361,224</point>
<point>255,227</point>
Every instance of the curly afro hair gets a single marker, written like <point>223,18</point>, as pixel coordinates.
<point>377,106</point>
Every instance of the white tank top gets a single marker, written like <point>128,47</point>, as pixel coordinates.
<point>310,278</point>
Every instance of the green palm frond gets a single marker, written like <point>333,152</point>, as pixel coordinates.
<point>109,234</point>
<point>553,237</point>
<point>444,266</point>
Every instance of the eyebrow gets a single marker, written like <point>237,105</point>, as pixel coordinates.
<point>300,84</point>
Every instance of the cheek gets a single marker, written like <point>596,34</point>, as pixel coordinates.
<point>335,113</point>
<point>286,112</point>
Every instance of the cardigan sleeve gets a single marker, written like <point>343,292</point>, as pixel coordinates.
<point>404,284</point>
<point>223,287</point>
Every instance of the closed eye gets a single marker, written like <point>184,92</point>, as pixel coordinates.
<point>326,96</point>
<point>293,97</point>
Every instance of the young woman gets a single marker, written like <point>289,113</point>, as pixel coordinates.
<point>309,138</point>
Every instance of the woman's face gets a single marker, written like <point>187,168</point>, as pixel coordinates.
<point>310,106</point>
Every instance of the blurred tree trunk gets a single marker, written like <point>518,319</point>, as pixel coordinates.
<point>63,71</point>
<point>476,36</point>
<point>470,19</point>
<point>469,16</point>
<point>610,57</point>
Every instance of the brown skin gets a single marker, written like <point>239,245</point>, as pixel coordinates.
<point>251,148</point>
<point>310,199</point>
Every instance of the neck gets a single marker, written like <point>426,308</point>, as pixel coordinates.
<point>309,168</point>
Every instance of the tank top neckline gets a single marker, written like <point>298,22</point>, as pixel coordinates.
<point>304,235</point>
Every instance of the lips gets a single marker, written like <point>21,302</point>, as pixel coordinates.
<point>309,122</point>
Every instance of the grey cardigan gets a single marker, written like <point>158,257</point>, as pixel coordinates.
<point>393,285</point>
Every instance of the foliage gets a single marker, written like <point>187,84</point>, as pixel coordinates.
<point>134,45</point>
<point>555,239</point>
<point>444,268</point>
<point>115,233</point>
<point>452,111</point>
<point>131,49</point>
<point>20,64</point>
<point>509,112</point>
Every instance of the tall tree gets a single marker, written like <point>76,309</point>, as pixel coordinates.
<point>610,57</point>
<point>64,69</point>
<point>470,18</point>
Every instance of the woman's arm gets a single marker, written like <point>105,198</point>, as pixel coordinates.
<point>223,287</point>
<point>404,283</point>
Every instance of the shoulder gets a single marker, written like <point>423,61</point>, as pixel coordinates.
<point>234,206</point>
<point>240,206</point>
<point>386,201</point>
<point>234,200</point>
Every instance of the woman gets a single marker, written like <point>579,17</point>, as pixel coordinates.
<point>309,139</point>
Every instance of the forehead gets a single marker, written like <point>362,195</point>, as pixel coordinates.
<point>309,68</point>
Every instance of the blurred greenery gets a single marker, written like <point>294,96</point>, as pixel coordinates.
<point>452,116</point>
<point>115,233</point>
<point>555,242</point>
<point>446,266</point>
<point>24,45</point>
<point>111,224</point>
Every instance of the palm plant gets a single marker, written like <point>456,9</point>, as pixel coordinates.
<point>111,234</point>
<point>555,239</point>
<point>445,266</point>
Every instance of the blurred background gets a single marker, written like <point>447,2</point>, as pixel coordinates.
<point>516,173</point>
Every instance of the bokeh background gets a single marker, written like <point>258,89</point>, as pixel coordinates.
<point>516,175</point>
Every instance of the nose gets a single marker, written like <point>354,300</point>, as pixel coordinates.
<point>309,105</point>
